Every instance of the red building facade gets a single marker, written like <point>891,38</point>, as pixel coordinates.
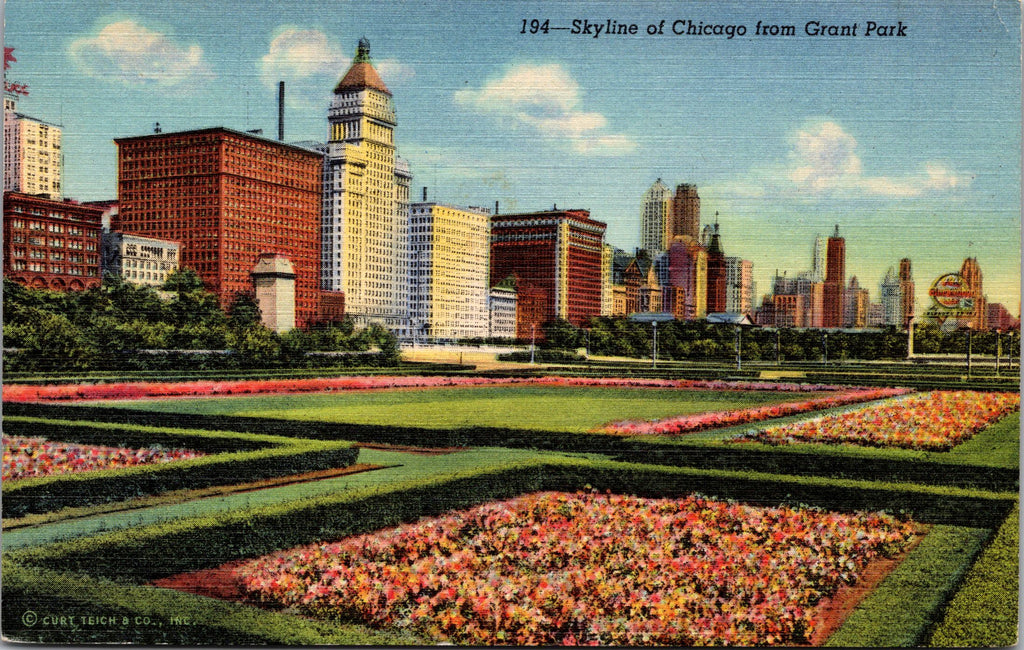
<point>51,244</point>
<point>835,281</point>
<point>227,196</point>
<point>556,258</point>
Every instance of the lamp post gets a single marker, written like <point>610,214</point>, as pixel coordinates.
<point>970,341</point>
<point>999,349</point>
<point>824,348</point>
<point>586,349</point>
<point>778,347</point>
<point>533,340</point>
<point>654,345</point>
<point>739,348</point>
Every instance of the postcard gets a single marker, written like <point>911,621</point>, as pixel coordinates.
<point>335,322</point>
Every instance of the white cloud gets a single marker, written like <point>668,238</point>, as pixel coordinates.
<point>547,99</point>
<point>824,161</point>
<point>133,54</point>
<point>310,63</point>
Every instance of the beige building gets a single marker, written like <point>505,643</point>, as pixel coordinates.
<point>33,161</point>
<point>449,268</point>
<point>365,224</point>
<point>501,309</point>
<point>273,278</point>
<point>139,260</point>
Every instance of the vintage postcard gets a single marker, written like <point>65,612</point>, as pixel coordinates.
<point>338,322</point>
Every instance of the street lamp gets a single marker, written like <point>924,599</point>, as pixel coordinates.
<point>586,349</point>
<point>739,348</point>
<point>654,345</point>
<point>824,348</point>
<point>533,340</point>
<point>999,349</point>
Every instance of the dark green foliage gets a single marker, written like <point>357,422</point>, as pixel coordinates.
<point>984,612</point>
<point>542,356</point>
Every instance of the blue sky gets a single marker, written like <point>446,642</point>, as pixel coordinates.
<point>911,144</point>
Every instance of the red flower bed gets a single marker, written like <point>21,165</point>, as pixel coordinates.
<point>555,568</point>
<point>935,421</point>
<point>701,421</point>
<point>141,390</point>
<point>30,457</point>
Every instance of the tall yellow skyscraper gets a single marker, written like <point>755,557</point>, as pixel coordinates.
<point>365,225</point>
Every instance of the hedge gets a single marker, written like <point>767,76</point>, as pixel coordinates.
<point>115,563</point>
<point>158,550</point>
<point>257,457</point>
<point>984,611</point>
<point>806,460</point>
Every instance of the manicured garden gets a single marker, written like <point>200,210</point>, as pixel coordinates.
<point>508,552</point>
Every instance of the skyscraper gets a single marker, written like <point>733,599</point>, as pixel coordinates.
<point>227,197</point>
<point>685,212</point>
<point>892,303</point>
<point>556,257</point>
<point>835,280</point>
<point>365,224</point>
<point>818,260</point>
<point>739,286</point>
<point>450,252</point>
<point>716,273</point>
<point>33,160</point>
<point>971,272</point>
<point>655,211</point>
<point>688,279</point>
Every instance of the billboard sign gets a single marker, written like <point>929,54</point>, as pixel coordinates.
<point>952,296</point>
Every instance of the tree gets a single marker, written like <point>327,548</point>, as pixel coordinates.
<point>244,311</point>
<point>183,280</point>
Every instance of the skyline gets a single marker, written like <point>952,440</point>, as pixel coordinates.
<point>911,144</point>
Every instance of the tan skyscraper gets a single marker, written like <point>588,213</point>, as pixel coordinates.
<point>685,219</point>
<point>655,211</point>
<point>365,225</point>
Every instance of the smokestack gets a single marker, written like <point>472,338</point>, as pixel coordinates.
<point>424,193</point>
<point>280,111</point>
<point>495,207</point>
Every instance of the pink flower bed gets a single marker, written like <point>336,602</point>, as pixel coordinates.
<point>701,421</point>
<point>141,390</point>
<point>31,457</point>
<point>935,421</point>
<point>556,568</point>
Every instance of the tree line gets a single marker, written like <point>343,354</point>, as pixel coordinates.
<point>105,328</point>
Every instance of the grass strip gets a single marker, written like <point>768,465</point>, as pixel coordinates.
<point>899,611</point>
<point>984,611</point>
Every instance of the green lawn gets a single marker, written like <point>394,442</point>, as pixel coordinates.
<point>549,408</point>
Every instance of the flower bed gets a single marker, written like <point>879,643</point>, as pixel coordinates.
<point>140,390</point>
<point>32,457</point>
<point>935,421</point>
<point>701,421</point>
<point>556,568</point>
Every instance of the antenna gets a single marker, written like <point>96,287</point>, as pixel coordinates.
<point>280,111</point>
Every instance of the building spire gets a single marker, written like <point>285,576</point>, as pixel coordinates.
<point>362,51</point>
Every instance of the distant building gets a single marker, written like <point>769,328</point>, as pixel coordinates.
<point>999,318</point>
<point>971,272</point>
<point>835,280</point>
<point>502,301</point>
<point>449,275</point>
<point>51,244</point>
<point>856,305</point>
<point>717,280</point>
<point>228,197</point>
<point>739,286</point>
<point>138,260</point>
<point>685,221</point>
<point>819,259</point>
<point>876,315</point>
<point>688,271</point>
<point>556,257</point>
<point>607,280</point>
<point>33,158</point>
<point>655,212</point>
<point>892,301</point>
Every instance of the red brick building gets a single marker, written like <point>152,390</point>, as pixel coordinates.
<point>556,258</point>
<point>835,281</point>
<point>227,196</point>
<point>51,244</point>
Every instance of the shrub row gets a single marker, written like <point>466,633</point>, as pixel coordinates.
<point>163,549</point>
<point>114,561</point>
<point>257,457</point>
<point>807,460</point>
<point>984,612</point>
